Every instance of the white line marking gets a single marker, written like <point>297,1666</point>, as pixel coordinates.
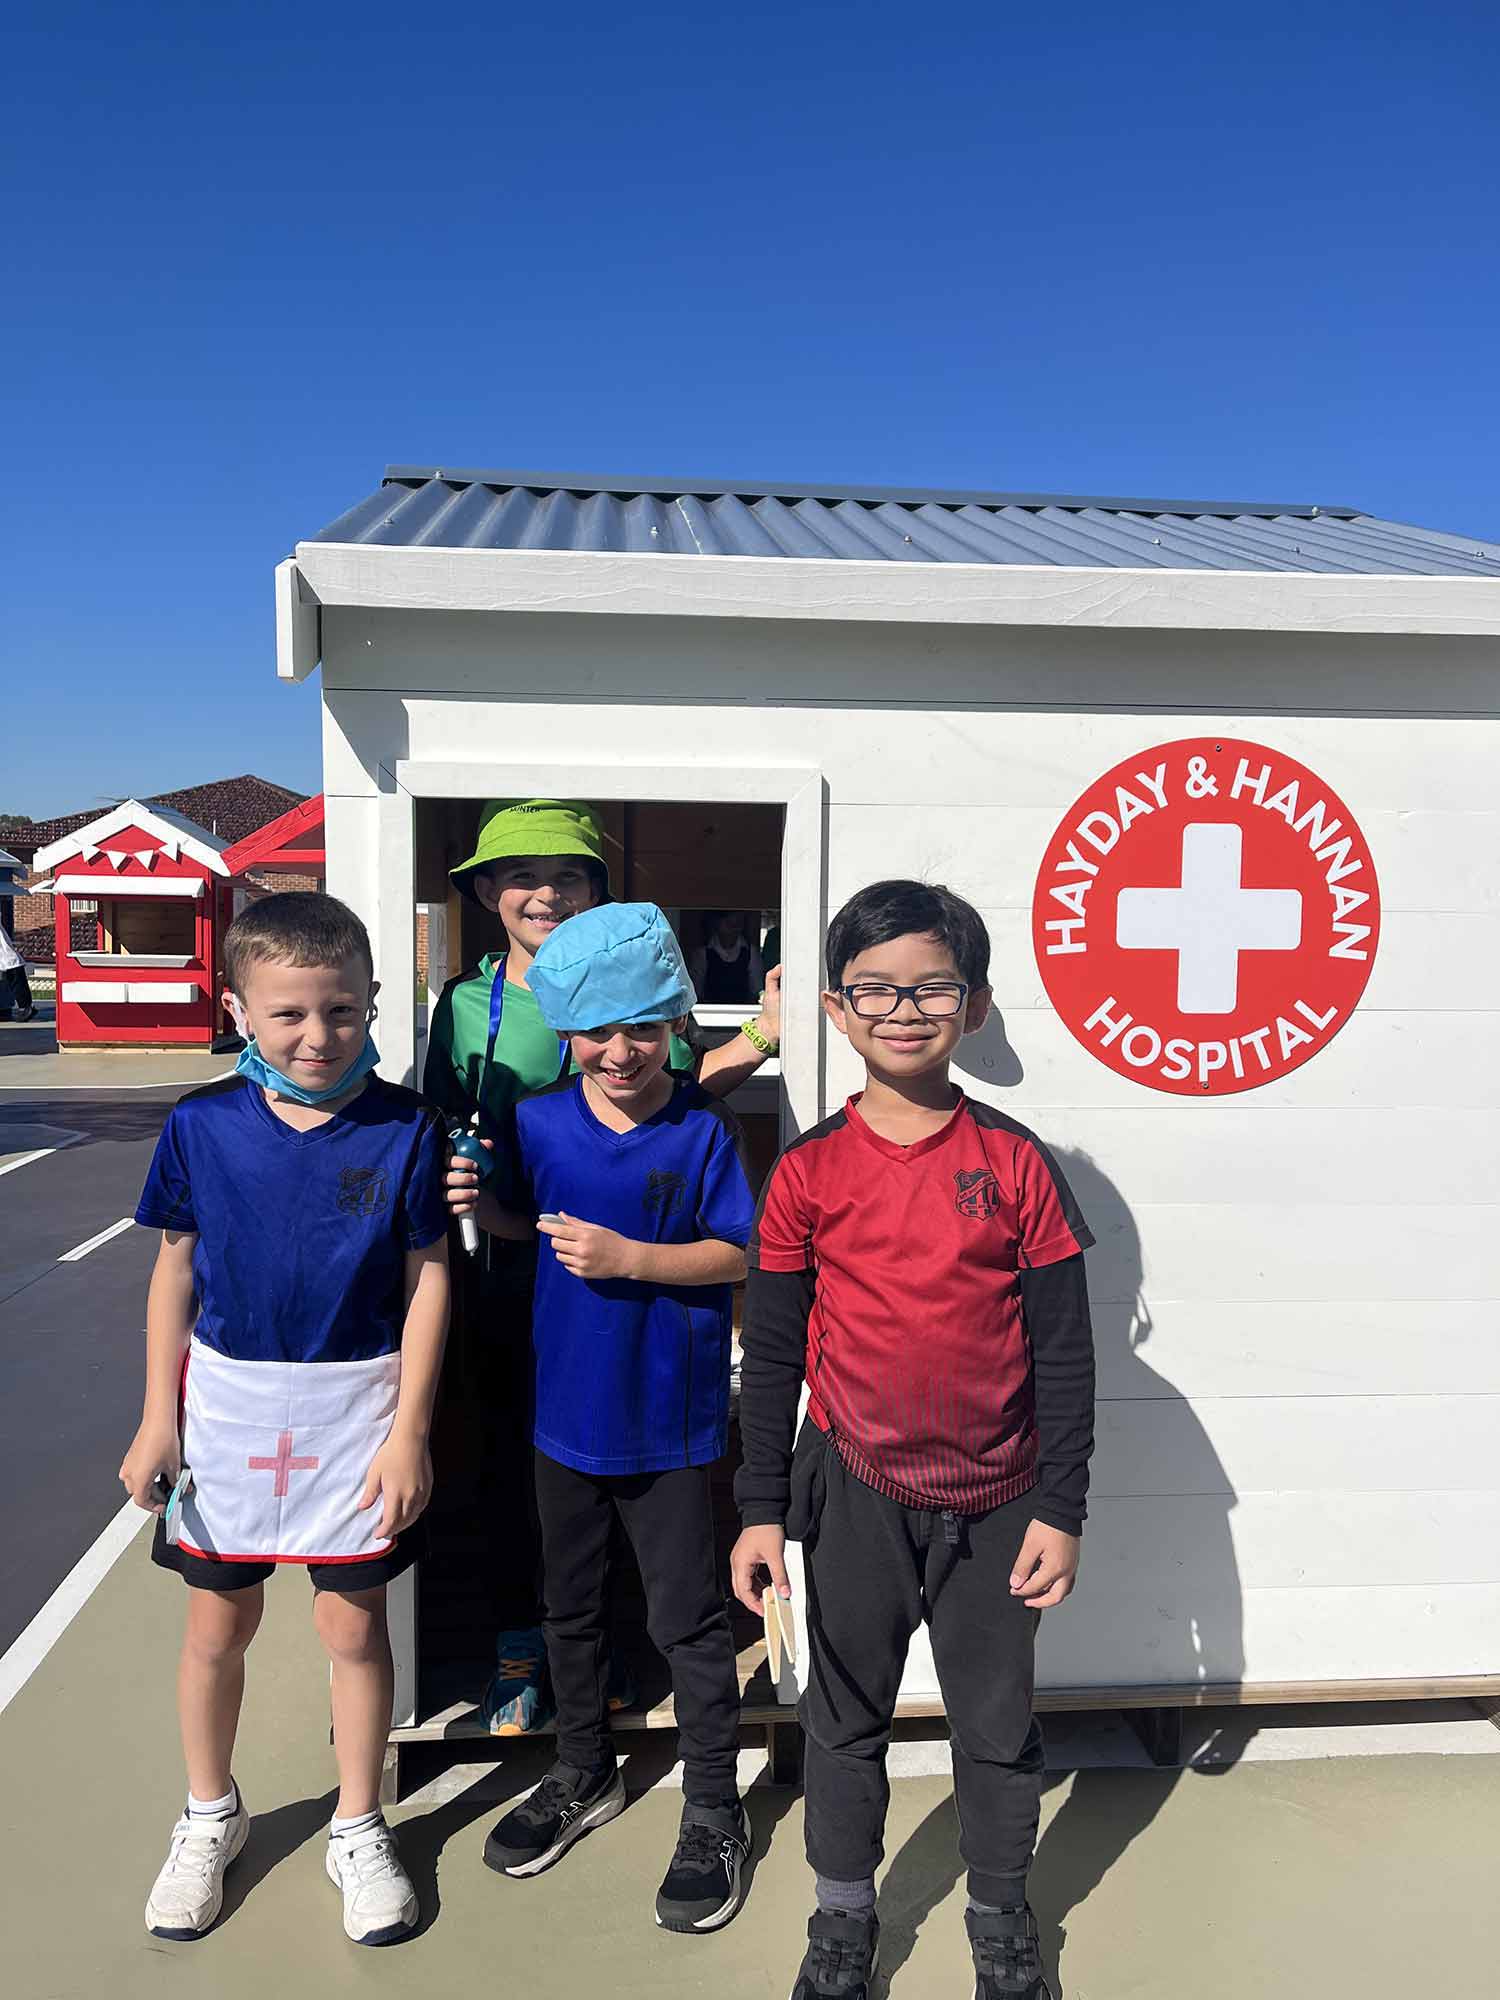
<point>25,1159</point>
<point>26,1654</point>
<point>115,1229</point>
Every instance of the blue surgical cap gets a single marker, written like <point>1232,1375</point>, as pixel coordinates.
<point>619,962</point>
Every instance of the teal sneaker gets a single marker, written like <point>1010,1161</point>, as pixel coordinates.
<point>518,1700</point>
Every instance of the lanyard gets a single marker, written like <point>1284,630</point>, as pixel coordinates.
<point>497,1014</point>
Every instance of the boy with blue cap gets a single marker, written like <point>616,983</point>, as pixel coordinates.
<point>637,1182</point>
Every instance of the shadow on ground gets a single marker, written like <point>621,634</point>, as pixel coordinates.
<point>274,1837</point>
<point>98,1119</point>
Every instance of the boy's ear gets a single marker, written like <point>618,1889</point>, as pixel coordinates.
<point>485,889</point>
<point>977,1009</point>
<point>833,1007</point>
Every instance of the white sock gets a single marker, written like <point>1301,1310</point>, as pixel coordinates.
<point>355,1823</point>
<point>213,1808</point>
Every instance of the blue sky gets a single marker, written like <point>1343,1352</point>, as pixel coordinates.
<point>258,252</point>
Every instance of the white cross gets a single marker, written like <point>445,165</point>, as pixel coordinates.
<point>1210,920</point>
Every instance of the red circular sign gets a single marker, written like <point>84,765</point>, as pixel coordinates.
<point>1206,916</point>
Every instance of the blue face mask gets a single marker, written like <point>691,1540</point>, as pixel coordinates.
<point>254,1065</point>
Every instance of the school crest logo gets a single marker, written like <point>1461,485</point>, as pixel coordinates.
<point>364,1190</point>
<point>978,1194</point>
<point>665,1191</point>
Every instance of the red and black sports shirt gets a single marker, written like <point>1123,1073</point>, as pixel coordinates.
<point>900,1280</point>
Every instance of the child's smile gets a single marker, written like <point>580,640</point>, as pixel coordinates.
<point>534,894</point>
<point>309,1022</point>
<point>624,1063</point>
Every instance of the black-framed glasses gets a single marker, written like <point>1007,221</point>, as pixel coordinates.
<point>935,999</point>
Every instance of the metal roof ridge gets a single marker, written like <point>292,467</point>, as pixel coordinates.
<point>571,482</point>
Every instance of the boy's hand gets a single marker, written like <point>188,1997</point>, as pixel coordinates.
<point>587,1250</point>
<point>463,1181</point>
<point>758,1549</point>
<point>154,1451</point>
<point>401,1475</point>
<point>769,1019</point>
<point>1047,1567</point>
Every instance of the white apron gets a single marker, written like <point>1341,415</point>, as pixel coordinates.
<point>280,1451</point>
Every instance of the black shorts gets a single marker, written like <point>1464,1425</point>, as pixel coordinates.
<point>213,1573</point>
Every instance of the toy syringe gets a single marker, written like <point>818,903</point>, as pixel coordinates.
<point>466,1146</point>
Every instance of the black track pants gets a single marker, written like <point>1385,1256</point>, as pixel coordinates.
<point>668,1517</point>
<point>875,1569</point>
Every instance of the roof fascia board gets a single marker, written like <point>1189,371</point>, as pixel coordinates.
<point>909,496</point>
<point>200,844</point>
<point>533,580</point>
<point>272,838</point>
<point>299,630</point>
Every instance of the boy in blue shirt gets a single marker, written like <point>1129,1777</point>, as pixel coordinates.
<point>294,1333</point>
<point>631,1334</point>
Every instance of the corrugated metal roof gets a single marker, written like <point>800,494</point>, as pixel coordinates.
<point>437,507</point>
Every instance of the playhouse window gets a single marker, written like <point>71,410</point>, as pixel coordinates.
<point>693,858</point>
<point>139,927</point>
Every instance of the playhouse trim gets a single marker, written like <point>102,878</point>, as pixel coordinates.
<point>270,846</point>
<point>126,885</point>
<point>177,835</point>
<point>334,574</point>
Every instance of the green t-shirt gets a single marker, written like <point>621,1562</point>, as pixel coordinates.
<point>526,1056</point>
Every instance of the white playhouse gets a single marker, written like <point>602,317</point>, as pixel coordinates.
<point>1222,779</point>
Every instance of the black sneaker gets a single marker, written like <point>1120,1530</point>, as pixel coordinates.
<point>842,1953</point>
<point>541,1829</point>
<point>701,1888</point>
<point>1007,1956</point>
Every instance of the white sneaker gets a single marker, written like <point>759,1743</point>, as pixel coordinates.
<point>189,1892</point>
<point>380,1905</point>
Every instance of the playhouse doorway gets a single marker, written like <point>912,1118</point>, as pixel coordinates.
<point>756,857</point>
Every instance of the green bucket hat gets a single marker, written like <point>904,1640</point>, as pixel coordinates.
<point>509,827</point>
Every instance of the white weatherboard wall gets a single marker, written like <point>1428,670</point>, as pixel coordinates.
<point>1294,1289</point>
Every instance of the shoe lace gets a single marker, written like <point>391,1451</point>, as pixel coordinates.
<point>518,1666</point>
<point>549,1798</point>
<point>836,1959</point>
<point>1010,1956</point>
<point>195,1846</point>
<point>372,1855</point>
<point>699,1846</point>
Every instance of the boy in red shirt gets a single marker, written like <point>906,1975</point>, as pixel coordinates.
<point>918,1260</point>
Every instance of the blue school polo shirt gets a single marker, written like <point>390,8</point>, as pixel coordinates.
<point>302,1236</point>
<point>630,1377</point>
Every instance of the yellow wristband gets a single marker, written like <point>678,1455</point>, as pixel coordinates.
<point>758,1041</point>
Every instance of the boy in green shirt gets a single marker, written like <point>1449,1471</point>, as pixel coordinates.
<point>536,863</point>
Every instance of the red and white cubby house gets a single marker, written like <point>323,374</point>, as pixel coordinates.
<point>160,889</point>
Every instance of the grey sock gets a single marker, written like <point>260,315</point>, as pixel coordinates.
<point>849,1899</point>
<point>995,1909</point>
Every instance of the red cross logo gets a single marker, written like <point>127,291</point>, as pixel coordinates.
<point>1206,916</point>
<point>283,1465</point>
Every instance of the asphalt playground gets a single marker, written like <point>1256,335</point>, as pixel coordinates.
<point>1346,1854</point>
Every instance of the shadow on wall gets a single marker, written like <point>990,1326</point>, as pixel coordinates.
<point>988,1057</point>
<point>1158,1598</point>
